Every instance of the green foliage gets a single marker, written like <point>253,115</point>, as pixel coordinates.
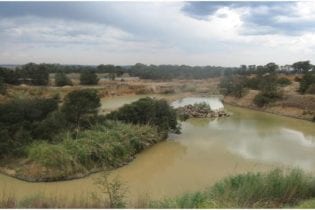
<point>148,111</point>
<point>79,104</point>
<point>252,83</point>
<point>307,80</point>
<point>167,72</point>
<point>2,86</point>
<point>51,126</point>
<point>109,145</point>
<point>262,100</point>
<point>9,76</point>
<point>275,189</point>
<point>232,85</point>
<point>268,86</point>
<point>19,120</point>
<point>302,66</point>
<point>202,106</point>
<point>114,190</point>
<point>307,204</point>
<point>271,67</point>
<point>61,79</point>
<point>37,74</point>
<point>88,78</point>
<point>283,81</point>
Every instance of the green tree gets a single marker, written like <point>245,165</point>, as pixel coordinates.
<point>61,79</point>
<point>271,67</point>
<point>88,78</point>
<point>232,85</point>
<point>302,66</point>
<point>80,104</point>
<point>307,80</point>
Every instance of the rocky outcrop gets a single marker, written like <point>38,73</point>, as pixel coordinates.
<point>199,111</point>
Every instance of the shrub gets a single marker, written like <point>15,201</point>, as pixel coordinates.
<point>307,80</point>
<point>147,111</point>
<point>2,86</point>
<point>283,81</point>
<point>79,104</point>
<point>88,78</point>
<point>275,189</point>
<point>252,83</point>
<point>232,86</point>
<point>61,79</point>
<point>48,128</point>
<point>262,100</point>
<point>19,119</point>
<point>311,89</point>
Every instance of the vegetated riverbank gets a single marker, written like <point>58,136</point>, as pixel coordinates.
<point>275,189</point>
<point>88,143</point>
<point>295,106</point>
<point>102,147</point>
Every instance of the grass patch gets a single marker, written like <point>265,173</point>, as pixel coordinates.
<point>108,145</point>
<point>275,189</point>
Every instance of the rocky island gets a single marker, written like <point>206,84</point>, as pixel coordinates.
<point>199,110</point>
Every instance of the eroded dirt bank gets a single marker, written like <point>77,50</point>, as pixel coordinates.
<point>291,105</point>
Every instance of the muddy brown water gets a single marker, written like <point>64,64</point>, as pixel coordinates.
<point>205,152</point>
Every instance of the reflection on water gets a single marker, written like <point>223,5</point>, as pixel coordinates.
<point>206,151</point>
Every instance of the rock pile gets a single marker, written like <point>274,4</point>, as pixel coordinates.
<point>197,111</point>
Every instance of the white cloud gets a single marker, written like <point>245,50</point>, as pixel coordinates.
<point>154,33</point>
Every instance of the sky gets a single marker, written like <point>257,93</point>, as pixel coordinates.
<point>125,33</point>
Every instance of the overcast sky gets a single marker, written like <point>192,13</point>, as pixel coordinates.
<point>193,33</point>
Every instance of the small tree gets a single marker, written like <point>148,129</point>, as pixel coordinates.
<point>61,79</point>
<point>232,85</point>
<point>88,78</point>
<point>115,191</point>
<point>307,80</point>
<point>80,103</point>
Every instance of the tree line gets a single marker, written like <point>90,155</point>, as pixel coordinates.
<point>38,74</point>
<point>267,81</point>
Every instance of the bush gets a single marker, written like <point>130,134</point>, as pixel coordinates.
<point>61,79</point>
<point>262,100</point>
<point>252,83</point>
<point>19,120</point>
<point>80,104</point>
<point>232,86</point>
<point>147,111</point>
<point>311,89</point>
<point>2,86</point>
<point>307,80</point>
<point>88,78</point>
<point>283,81</point>
<point>48,128</point>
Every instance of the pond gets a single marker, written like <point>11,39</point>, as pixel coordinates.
<point>206,151</point>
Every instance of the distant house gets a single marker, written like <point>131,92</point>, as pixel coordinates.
<point>287,68</point>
